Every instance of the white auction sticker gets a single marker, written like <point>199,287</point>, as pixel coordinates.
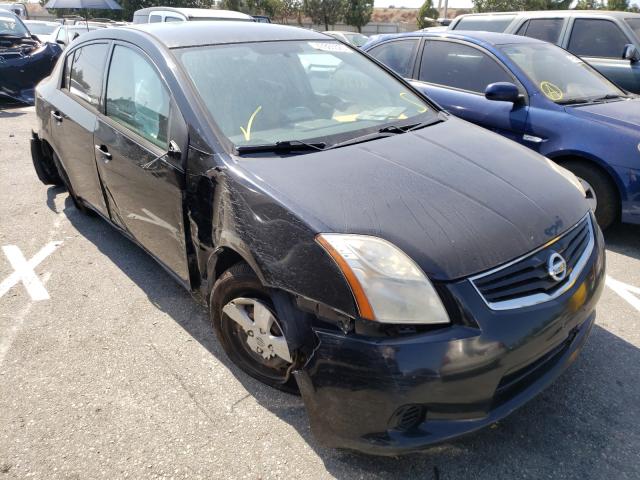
<point>330,47</point>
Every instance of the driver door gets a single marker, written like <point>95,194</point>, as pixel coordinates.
<point>143,183</point>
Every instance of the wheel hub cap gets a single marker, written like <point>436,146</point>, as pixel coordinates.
<point>257,320</point>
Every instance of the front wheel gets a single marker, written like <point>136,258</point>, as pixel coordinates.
<point>247,326</point>
<point>600,190</point>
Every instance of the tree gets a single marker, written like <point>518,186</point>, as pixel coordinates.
<point>426,11</point>
<point>291,8</point>
<point>621,5</point>
<point>588,5</point>
<point>358,13</point>
<point>326,12</point>
<point>518,5</point>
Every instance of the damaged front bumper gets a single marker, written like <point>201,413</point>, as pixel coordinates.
<point>22,66</point>
<point>389,396</point>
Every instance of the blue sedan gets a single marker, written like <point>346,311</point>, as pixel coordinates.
<point>536,94</point>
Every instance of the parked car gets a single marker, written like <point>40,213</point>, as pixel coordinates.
<point>41,29</point>
<point>538,95</point>
<point>262,18</point>
<point>65,34</point>
<point>170,14</point>
<point>19,9</point>
<point>416,277</point>
<point>353,38</point>
<point>24,60</point>
<point>603,39</point>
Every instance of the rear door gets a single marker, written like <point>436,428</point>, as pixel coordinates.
<point>142,182</point>
<point>456,75</point>
<point>74,118</point>
<point>601,42</point>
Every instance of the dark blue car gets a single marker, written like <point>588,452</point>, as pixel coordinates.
<point>537,94</point>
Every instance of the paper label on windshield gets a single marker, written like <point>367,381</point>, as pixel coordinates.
<point>330,47</point>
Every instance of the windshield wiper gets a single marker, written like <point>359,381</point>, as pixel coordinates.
<point>609,96</point>
<point>384,132</point>
<point>283,146</point>
<point>573,101</point>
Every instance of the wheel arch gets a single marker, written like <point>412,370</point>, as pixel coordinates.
<point>223,258</point>
<point>568,156</point>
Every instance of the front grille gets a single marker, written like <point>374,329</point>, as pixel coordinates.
<point>527,281</point>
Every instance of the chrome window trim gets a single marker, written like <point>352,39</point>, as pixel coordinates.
<point>535,299</point>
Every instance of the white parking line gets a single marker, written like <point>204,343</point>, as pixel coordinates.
<point>24,270</point>
<point>627,292</point>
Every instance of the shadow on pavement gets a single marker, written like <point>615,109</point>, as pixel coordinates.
<point>624,239</point>
<point>586,425</point>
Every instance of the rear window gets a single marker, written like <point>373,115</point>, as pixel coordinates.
<point>85,81</point>
<point>498,23</point>
<point>546,29</point>
<point>397,55</point>
<point>634,23</point>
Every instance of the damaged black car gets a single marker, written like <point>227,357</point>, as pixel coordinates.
<point>24,60</point>
<point>414,277</point>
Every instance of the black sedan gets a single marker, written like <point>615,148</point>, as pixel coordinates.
<point>413,276</point>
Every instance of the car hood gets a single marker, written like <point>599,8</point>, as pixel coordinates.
<point>620,113</point>
<point>456,198</point>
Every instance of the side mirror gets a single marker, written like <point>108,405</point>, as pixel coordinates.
<point>631,53</point>
<point>502,92</point>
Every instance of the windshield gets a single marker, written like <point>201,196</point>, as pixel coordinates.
<point>634,23</point>
<point>41,28</point>
<point>321,91</point>
<point>559,75</point>
<point>10,25</point>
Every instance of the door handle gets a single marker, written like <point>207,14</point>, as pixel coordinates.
<point>106,156</point>
<point>56,116</point>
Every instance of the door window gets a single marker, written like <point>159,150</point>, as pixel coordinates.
<point>172,19</point>
<point>87,72</point>
<point>546,29</point>
<point>68,61</point>
<point>634,23</point>
<point>597,38</point>
<point>155,18</point>
<point>137,97</point>
<point>460,66</point>
<point>398,55</point>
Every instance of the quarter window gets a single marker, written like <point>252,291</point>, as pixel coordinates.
<point>398,55</point>
<point>155,18</point>
<point>86,77</point>
<point>546,29</point>
<point>460,66</point>
<point>137,97</point>
<point>597,38</point>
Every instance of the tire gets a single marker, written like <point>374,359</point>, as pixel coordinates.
<point>608,203</point>
<point>237,284</point>
<point>67,184</point>
<point>45,167</point>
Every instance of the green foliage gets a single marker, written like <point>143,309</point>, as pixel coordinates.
<point>621,5</point>
<point>426,11</point>
<point>324,12</point>
<point>358,13</point>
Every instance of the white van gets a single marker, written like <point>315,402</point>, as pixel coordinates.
<point>18,8</point>
<point>170,14</point>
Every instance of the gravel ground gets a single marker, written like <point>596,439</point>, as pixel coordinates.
<point>118,374</point>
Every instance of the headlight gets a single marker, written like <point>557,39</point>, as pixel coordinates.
<point>568,175</point>
<point>387,285</point>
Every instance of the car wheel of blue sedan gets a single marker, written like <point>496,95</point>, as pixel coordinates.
<point>249,331</point>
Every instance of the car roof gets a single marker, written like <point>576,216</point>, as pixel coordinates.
<point>556,14</point>
<point>487,38</point>
<point>191,34</point>
<point>196,12</point>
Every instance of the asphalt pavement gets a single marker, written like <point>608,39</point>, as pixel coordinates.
<point>109,369</point>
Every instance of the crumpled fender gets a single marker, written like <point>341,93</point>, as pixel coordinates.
<point>20,73</point>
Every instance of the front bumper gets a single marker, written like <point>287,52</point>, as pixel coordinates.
<point>392,396</point>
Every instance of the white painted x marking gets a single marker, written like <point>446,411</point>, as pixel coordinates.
<point>627,292</point>
<point>24,270</point>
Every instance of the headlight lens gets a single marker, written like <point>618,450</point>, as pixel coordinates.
<point>388,286</point>
<point>568,175</point>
